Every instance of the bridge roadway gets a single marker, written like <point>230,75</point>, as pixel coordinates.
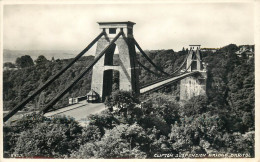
<point>79,111</point>
<point>161,84</point>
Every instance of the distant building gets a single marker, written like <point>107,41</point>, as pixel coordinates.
<point>246,51</point>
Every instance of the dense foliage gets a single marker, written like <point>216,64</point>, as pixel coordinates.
<point>221,122</point>
<point>24,61</point>
<point>37,136</point>
<point>18,84</point>
<point>170,59</point>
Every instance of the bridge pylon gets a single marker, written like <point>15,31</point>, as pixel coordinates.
<point>197,84</point>
<point>102,74</point>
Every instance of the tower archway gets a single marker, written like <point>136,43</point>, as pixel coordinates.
<point>102,75</point>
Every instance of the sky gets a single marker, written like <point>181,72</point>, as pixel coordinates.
<point>158,26</point>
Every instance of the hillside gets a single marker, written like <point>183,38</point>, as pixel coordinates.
<point>12,55</point>
<point>20,83</point>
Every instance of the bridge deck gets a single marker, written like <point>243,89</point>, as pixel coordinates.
<point>79,111</point>
<point>159,85</point>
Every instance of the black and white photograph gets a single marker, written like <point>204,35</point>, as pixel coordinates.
<point>129,80</point>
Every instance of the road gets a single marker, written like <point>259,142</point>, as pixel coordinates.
<point>79,111</point>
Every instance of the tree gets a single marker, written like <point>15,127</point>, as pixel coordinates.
<point>230,48</point>
<point>24,61</point>
<point>9,65</point>
<point>91,133</point>
<point>124,101</point>
<point>56,137</point>
<point>123,141</point>
<point>104,120</point>
<point>198,134</point>
<point>196,105</point>
<point>41,60</point>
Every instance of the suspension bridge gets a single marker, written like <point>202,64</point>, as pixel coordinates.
<point>119,36</point>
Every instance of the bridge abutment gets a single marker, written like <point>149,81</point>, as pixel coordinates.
<point>194,85</point>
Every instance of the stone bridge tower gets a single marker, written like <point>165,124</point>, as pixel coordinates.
<point>102,74</point>
<point>194,85</point>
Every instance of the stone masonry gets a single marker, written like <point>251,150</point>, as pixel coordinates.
<point>102,75</point>
<point>194,85</point>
